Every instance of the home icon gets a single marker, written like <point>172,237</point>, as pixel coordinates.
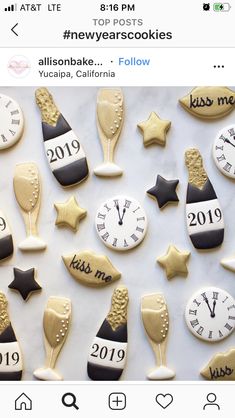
<point>23,402</point>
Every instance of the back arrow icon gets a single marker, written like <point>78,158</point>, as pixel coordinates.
<point>12,29</point>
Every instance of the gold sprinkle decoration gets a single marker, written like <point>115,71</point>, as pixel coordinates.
<point>118,313</point>
<point>49,111</point>
<point>197,174</point>
<point>4,318</point>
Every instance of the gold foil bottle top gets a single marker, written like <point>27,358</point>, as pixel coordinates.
<point>50,113</point>
<point>4,318</point>
<point>197,174</point>
<point>118,312</point>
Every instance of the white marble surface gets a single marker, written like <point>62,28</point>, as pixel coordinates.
<point>186,354</point>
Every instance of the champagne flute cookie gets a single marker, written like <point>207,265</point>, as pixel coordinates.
<point>156,323</point>
<point>63,149</point>
<point>56,322</point>
<point>109,121</point>
<point>11,364</point>
<point>107,356</point>
<point>27,189</point>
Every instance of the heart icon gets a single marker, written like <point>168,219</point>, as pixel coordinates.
<point>164,400</point>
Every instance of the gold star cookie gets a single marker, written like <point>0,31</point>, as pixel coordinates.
<point>174,262</point>
<point>154,130</point>
<point>69,213</point>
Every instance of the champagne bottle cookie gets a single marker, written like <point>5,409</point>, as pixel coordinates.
<point>107,356</point>
<point>11,364</point>
<point>63,149</point>
<point>6,240</point>
<point>205,221</point>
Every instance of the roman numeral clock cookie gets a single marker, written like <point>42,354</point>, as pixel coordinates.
<point>11,122</point>
<point>121,223</point>
<point>224,151</point>
<point>210,314</point>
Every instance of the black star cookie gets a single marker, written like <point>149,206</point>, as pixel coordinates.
<point>164,191</point>
<point>24,282</point>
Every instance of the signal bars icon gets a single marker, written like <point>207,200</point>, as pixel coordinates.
<point>11,8</point>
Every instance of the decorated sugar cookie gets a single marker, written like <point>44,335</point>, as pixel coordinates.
<point>210,314</point>
<point>164,191</point>
<point>91,269</point>
<point>56,322</point>
<point>24,282</point>
<point>224,151</point>
<point>110,116</point>
<point>27,187</point>
<point>228,262</point>
<point>6,240</point>
<point>174,262</point>
<point>156,323</point>
<point>205,221</point>
<point>209,102</point>
<point>11,122</point>
<point>220,367</point>
<point>107,356</point>
<point>69,213</point>
<point>63,148</point>
<point>154,130</point>
<point>11,365</point>
<point>121,223</point>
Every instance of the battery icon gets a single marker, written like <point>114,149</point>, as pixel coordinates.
<point>221,7</point>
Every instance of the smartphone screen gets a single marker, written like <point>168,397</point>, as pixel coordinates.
<point>117,161</point>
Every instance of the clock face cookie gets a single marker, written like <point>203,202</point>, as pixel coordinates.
<point>224,151</point>
<point>11,122</point>
<point>121,223</point>
<point>210,314</point>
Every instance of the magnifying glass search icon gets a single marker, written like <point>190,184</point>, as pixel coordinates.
<point>69,400</point>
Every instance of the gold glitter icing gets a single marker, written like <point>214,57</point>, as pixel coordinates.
<point>118,312</point>
<point>4,318</point>
<point>50,113</point>
<point>197,174</point>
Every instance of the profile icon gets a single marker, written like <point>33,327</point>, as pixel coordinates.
<point>211,399</point>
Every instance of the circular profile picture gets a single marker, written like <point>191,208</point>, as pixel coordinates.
<point>19,66</point>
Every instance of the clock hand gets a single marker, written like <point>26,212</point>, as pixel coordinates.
<point>123,213</point>
<point>118,210</point>
<point>213,312</point>
<point>229,142</point>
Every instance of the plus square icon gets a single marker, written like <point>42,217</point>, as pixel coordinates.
<point>117,401</point>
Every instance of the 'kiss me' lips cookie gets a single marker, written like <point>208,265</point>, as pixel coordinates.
<point>63,149</point>
<point>91,269</point>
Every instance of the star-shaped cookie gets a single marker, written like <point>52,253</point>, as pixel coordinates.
<point>69,213</point>
<point>154,130</point>
<point>24,282</point>
<point>174,262</point>
<point>164,191</point>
